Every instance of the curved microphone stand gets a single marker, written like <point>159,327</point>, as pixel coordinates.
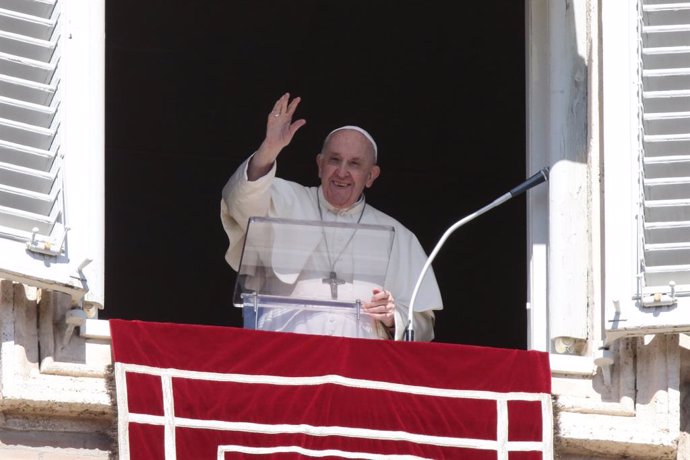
<point>534,180</point>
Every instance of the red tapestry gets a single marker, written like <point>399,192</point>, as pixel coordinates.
<point>191,392</point>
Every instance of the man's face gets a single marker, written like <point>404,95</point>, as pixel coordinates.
<point>346,167</point>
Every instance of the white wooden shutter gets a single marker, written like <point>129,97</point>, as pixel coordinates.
<point>665,224</point>
<point>51,142</point>
<point>31,198</point>
<point>658,299</point>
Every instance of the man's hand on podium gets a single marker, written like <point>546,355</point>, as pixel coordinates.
<point>381,307</point>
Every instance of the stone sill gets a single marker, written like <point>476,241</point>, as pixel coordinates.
<point>59,395</point>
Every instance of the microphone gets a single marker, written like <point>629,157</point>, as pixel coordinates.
<point>533,181</point>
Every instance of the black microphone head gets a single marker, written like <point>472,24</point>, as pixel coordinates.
<point>536,179</point>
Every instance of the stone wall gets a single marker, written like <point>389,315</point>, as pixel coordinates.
<point>639,414</point>
<point>55,402</point>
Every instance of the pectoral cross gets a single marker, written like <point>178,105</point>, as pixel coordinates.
<point>334,281</point>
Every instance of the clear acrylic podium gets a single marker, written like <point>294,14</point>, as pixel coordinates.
<point>311,276</point>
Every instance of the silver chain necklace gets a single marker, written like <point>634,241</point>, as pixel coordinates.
<point>333,279</point>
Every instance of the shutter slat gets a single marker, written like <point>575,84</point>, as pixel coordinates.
<point>666,101</point>
<point>667,14</point>
<point>662,275</point>
<point>41,8</point>
<point>666,189</point>
<point>667,232</point>
<point>27,91</point>
<point>677,148</point>
<point>29,157</point>
<point>666,253</point>
<point>679,124</point>
<point>27,179</point>
<point>667,210</point>
<point>674,166</point>
<point>25,134</point>
<point>26,47</point>
<point>27,69</point>
<point>21,200</point>
<point>665,57</point>
<point>25,112</point>
<point>666,79</point>
<point>25,221</point>
<point>664,2</point>
<point>669,35</point>
<point>667,138</point>
<point>31,26</point>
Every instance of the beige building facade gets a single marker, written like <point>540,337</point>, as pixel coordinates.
<point>608,92</point>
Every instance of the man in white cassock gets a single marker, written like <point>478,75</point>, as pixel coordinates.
<point>346,166</point>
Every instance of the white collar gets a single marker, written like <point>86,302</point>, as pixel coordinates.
<point>356,207</point>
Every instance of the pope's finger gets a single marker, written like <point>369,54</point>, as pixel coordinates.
<point>292,106</point>
<point>281,103</point>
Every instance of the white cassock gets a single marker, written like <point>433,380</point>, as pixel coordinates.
<point>274,197</point>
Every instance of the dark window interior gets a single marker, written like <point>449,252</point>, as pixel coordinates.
<point>441,87</point>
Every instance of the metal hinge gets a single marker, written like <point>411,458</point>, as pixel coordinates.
<point>46,246</point>
<point>659,299</point>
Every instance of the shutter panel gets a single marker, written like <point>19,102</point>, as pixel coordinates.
<point>664,227</point>
<point>31,198</point>
<point>52,86</point>
<point>646,121</point>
